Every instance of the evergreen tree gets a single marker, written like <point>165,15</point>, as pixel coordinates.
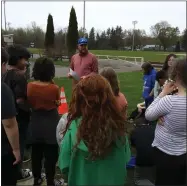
<point>92,39</point>
<point>72,34</point>
<point>184,40</point>
<point>50,35</point>
<point>177,47</point>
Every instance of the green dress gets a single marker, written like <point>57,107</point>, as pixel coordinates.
<point>80,171</point>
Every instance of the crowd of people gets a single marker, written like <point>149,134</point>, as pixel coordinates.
<point>90,143</point>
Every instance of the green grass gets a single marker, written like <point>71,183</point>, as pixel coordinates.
<point>130,84</point>
<point>63,63</point>
<point>147,55</point>
<point>36,50</point>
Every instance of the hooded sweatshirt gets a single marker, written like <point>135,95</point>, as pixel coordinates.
<point>111,170</point>
<point>149,82</point>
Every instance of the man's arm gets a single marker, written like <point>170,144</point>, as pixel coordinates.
<point>72,63</point>
<point>71,66</point>
<point>11,128</point>
<point>20,90</point>
<point>9,122</point>
<point>95,65</point>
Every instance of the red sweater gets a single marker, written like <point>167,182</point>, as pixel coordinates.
<point>43,96</point>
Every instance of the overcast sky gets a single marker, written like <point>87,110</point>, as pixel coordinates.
<point>100,15</point>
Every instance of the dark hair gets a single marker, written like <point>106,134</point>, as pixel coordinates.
<point>147,68</point>
<point>101,121</point>
<point>161,75</point>
<point>179,71</point>
<point>4,56</point>
<point>17,52</point>
<point>165,66</point>
<point>111,76</point>
<point>43,70</point>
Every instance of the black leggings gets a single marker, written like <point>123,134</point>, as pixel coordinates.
<point>170,170</point>
<point>50,154</point>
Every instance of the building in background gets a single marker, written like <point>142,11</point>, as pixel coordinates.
<point>8,39</point>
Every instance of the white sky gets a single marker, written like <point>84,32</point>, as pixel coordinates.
<point>100,15</point>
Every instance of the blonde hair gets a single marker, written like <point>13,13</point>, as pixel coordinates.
<point>111,76</point>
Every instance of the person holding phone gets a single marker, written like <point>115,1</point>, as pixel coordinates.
<point>170,135</point>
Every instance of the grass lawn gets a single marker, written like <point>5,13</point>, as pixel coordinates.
<point>64,63</point>
<point>36,50</point>
<point>130,84</point>
<point>147,55</point>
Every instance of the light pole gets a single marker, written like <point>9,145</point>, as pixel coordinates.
<point>124,42</point>
<point>65,30</point>
<point>4,15</point>
<point>134,24</point>
<point>84,7</point>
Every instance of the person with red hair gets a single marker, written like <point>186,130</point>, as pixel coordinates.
<point>95,148</point>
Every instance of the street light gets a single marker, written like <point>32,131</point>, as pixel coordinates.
<point>134,24</point>
<point>84,7</point>
<point>124,41</point>
<point>4,15</point>
<point>65,30</point>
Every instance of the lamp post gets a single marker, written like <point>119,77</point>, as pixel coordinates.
<point>65,30</point>
<point>134,24</point>
<point>124,42</point>
<point>4,15</point>
<point>84,7</point>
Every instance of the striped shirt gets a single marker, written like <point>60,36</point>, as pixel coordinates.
<point>170,137</point>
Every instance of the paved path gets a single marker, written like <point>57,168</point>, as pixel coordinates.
<point>118,65</point>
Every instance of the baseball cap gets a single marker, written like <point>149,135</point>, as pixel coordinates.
<point>82,41</point>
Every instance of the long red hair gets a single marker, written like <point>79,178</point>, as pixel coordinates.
<point>102,123</point>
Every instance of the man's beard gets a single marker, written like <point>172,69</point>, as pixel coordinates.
<point>83,53</point>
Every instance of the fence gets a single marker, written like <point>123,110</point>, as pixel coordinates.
<point>134,60</point>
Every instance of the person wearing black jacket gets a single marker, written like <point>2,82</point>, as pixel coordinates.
<point>141,139</point>
<point>15,78</point>
<point>10,151</point>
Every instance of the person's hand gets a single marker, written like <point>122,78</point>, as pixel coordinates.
<point>83,77</point>
<point>161,121</point>
<point>69,75</point>
<point>57,103</point>
<point>140,107</point>
<point>17,156</point>
<point>168,88</point>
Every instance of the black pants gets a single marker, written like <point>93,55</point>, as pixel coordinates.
<point>23,129</point>
<point>50,154</point>
<point>170,170</point>
<point>144,176</point>
<point>8,170</point>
